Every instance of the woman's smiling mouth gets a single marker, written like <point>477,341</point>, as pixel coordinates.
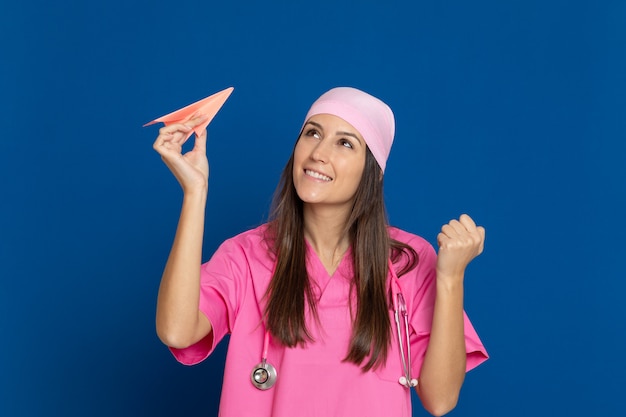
<point>317,175</point>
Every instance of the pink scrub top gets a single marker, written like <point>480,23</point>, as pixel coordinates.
<point>312,380</point>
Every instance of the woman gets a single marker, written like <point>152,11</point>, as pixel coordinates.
<point>310,299</point>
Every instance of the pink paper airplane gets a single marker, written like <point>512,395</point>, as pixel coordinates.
<point>208,106</point>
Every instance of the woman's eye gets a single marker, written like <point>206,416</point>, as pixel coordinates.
<point>346,143</point>
<point>314,133</point>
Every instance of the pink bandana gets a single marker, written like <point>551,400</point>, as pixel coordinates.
<point>372,118</point>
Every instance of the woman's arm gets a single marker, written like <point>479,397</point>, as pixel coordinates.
<point>443,370</point>
<point>179,322</point>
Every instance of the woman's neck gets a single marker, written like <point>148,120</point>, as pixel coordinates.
<point>325,230</point>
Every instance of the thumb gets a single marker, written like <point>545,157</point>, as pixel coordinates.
<point>200,142</point>
<point>481,231</point>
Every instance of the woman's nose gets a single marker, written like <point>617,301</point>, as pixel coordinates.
<point>321,152</point>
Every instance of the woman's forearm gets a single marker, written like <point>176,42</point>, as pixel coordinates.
<point>443,370</point>
<point>178,320</point>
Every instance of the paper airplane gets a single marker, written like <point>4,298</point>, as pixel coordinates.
<point>208,107</point>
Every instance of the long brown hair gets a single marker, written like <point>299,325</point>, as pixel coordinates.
<point>290,291</point>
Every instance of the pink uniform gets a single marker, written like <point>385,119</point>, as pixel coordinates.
<point>312,380</point>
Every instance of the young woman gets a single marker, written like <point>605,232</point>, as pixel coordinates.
<point>330,311</point>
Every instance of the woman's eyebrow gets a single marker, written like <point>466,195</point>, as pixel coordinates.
<point>319,126</point>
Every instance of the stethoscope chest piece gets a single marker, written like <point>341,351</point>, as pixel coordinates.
<point>263,376</point>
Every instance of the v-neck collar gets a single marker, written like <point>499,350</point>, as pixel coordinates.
<point>318,272</point>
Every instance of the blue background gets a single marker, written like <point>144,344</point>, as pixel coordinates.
<point>512,111</point>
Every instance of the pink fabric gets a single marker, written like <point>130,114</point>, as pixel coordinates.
<point>372,118</point>
<point>312,381</point>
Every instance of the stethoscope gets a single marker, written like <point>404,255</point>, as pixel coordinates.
<point>400,310</point>
<point>264,375</point>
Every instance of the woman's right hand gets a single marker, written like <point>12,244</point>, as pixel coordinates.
<point>192,168</point>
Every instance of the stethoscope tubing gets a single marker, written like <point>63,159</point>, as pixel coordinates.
<point>401,314</point>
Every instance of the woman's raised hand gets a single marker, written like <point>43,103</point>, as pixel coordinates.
<point>459,241</point>
<point>192,168</point>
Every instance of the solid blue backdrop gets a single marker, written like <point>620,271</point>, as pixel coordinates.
<point>510,111</point>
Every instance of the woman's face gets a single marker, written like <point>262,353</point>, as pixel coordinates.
<point>328,162</point>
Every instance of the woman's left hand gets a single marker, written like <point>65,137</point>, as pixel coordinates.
<point>459,242</point>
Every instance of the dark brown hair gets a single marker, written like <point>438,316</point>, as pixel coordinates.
<point>290,291</point>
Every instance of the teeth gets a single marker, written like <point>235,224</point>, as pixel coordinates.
<point>316,175</point>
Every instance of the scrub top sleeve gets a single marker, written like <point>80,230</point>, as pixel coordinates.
<point>220,281</point>
<point>476,352</point>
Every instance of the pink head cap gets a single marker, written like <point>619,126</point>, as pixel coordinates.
<point>372,118</point>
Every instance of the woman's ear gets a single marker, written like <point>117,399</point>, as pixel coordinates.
<point>380,174</point>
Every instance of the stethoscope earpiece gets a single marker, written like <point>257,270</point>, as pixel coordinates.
<point>403,381</point>
<point>263,376</point>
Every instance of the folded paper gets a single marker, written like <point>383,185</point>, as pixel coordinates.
<point>208,107</point>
